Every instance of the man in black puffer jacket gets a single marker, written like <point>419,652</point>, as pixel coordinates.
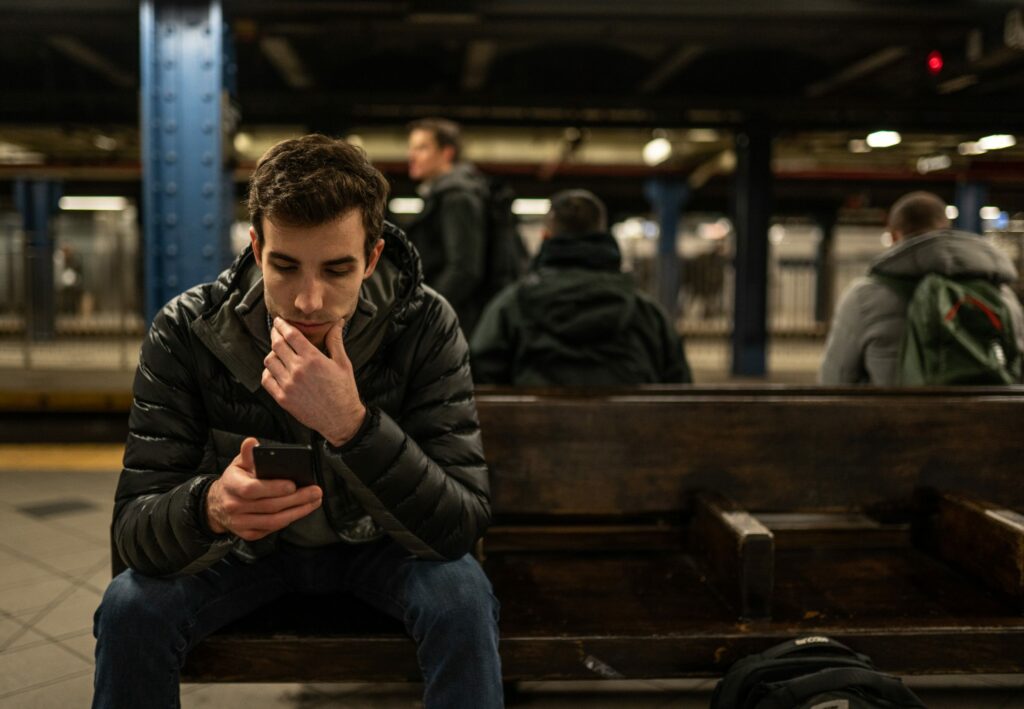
<point>575,319</point>
<point>322,333</point>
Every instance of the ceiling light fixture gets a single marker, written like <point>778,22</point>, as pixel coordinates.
<point>883,139</point>
<point>997,142</point>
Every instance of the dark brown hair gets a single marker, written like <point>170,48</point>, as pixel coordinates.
<point>917,213</point>
<point>446,133</point>
<point>311,180</point>
<point>576,212</point>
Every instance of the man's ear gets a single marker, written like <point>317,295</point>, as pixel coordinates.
<point>449,154</point>
<point>371,265</point>
<point>256,248</point>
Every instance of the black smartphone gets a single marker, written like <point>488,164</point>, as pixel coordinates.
<point>289,461</point>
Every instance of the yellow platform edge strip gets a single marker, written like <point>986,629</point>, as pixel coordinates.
<point>79,457</point>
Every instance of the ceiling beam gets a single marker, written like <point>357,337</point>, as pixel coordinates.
<point>480,55</point>
<point>280,53</point>
<point>670,66</point>
<point>79,53</point>
<point>857,70</point>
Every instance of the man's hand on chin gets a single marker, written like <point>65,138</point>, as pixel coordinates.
<point>318,390</point>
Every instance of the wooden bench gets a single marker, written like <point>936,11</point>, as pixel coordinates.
<point>667,532</point>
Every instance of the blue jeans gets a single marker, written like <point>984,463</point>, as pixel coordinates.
<point>145,626</point>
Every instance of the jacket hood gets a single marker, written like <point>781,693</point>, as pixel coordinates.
<point>947,252</point>
<point>578,306</point>
<point>462,176</point>
<point>598,252</point>
<point>237,314</point>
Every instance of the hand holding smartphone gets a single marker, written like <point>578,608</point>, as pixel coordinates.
<point>289,461</point>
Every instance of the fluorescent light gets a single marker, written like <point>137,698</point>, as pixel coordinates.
<point>242,142</point>
<point>104,142</point>
<point>971,147</point>
<point>931,163</point>
<point>406,205</point>
<point>883,139</point>
<point>997,142</point>
<point>657,151</point>
<point>531,207</point>
<point>952,212</point>
<point>989,213</point>
<point>93,204</point>
<point>859,146</point>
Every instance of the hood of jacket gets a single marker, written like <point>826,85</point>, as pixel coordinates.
<point>237,313</point>
<point>462,176</point>
<point>947,252</point>
<point>575,291</point>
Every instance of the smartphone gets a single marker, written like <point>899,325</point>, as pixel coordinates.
<point>289,461</point>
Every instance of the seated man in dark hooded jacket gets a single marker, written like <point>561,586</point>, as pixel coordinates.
<point>576,319</point>
<point>321,333</point>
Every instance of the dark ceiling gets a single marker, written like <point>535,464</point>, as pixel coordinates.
<point>800,64</point>
<point>332,65</point>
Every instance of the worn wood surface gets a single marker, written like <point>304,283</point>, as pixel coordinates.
<point>736,550</point>
<point>591,497</point>
<point>981,538</point>
<point>768,450</point>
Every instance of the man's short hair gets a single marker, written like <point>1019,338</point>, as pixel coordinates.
<point>314,179</point>
<point>918,213</point>
<point>576,212</point>
<point>446,133</point>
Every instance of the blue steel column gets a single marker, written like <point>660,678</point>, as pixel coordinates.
<point>185,193</point>
<point>753,213</point>
<point>36,201</point>
<point>970,198</point>
<point>668,199</point>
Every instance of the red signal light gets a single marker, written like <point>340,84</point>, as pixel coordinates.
<point>935,62</point>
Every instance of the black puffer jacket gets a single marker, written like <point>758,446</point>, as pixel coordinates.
<point>416,466</point>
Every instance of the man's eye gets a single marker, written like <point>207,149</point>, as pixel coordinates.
<point>339,274</point>
<point>283,269</point>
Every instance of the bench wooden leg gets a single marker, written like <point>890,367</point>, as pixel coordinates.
<point>736,551</point>
<point>982,539</point>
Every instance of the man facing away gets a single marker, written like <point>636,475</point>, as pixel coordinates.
<point>864,341</point>
<point>451,231</point>
<point>320,333</point>
<point>576,319</point>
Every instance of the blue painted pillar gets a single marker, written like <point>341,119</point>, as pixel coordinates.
<point>668,198</point>
<point>970,198</point>
<point>824,267</point>
<point>752,216</point>
<point>187,73</point>
<point>36,201</point>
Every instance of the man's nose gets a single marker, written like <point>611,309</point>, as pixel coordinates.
<point>310,297</point>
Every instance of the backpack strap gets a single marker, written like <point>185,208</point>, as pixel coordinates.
<point>789,693</point>
<point>809,644</point>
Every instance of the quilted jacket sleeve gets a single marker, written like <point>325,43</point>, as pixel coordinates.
<point>160,525</point>
<point>422,476</point>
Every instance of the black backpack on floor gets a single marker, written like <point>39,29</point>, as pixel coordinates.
<point>810,673</point>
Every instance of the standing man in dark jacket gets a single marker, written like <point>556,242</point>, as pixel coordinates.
<point>576,319</point>
<point>451,231</point>
<point>321,333</point>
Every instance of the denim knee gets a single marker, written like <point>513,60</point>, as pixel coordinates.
<point>138,606</point>
<point>452,591</point>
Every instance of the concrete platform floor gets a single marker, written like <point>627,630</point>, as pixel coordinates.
<point>55,504</point>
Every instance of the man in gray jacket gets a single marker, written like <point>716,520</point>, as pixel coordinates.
<point>864,340</point>
<point>451,231</point>
<point>321,333</point>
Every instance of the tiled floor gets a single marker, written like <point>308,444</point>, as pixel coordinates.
<point>54,565</point>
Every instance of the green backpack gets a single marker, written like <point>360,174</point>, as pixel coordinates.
<point>959,331</point>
